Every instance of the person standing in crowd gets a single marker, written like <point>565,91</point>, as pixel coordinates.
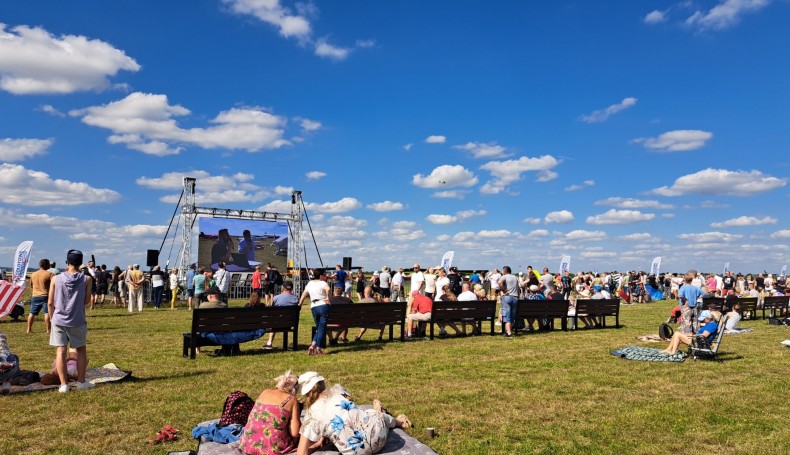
<point>430,283</point>
<point>102,278</point>
<point>69,294</point>
<point>247,245</point>
<point>157,286</point>
<point>256,281</point>
<point>222,280</point>
<point>317,291</point>
<point>173,288</point>
<point>199,286</point>
<point>40,282</point>
<point>508,287</point>
<point>116,287</point>
<point>136,280</point>
<point>361,283</point>
<point>340,278</point>
<point>493,278</point>
<point>397,286</point>
<point>190,284</point>
<point>566,284</point>
<point>385,280</point>
<point>688,295</point>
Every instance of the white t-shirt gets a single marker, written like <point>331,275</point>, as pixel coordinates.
<point>467,296</point>
<point>494,279</point>
<point>397,279</point>
<point>417,280</point>
<point>430,283</point>
<point>317,290</point>
<point>384,280</point>
<point>733,318</point>
<point>440,283</point>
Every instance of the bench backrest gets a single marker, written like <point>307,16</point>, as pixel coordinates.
<point>479,310</point>
<point>715,302</point>
<point>748,303</point>
<point>549,308</point>
<point>776,302</point>
<point>360,313</point>
<point>238,319</point>
<point>598,307</point>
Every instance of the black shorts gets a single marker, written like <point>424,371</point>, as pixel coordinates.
<point>268,288</point>
<point>385,292</point>
<point>101,289</point>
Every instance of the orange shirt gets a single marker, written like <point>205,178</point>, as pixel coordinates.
<point>40,281</point>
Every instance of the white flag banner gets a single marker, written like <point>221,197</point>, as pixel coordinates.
<point>21,260</point>
<point>565,264</point>
<point>726,267</point>
<point>447,260</point>
<point>655,266</point>
<point>784,270</point>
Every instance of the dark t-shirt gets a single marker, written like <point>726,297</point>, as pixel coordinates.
<point>339,299</point>
<point>556,296</point>
<point>728,282</point>
<point>341,276</point>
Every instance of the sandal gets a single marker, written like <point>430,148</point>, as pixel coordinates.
<point>404,421</point>
<point>168,433</point>
<point>311,350</point>
<point>267,346</point>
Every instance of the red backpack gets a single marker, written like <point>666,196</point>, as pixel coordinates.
<point>236,409</point>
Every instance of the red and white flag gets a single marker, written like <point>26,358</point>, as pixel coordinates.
<point>9,295</point>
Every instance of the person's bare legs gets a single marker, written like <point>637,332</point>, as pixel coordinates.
<point>60,365</point>
<point>82,363</point>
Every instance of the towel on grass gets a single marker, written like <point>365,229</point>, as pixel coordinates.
<point>736,331</point>
<point>96,375</point>
<point>648,354</point>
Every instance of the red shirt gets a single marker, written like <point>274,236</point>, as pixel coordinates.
<point>256,280</point>
<point>422,304</point>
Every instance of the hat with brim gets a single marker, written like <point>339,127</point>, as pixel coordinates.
<point>308,380</point>
<point>705,315</point>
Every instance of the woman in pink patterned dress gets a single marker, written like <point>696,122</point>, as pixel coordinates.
<point>273,425</point>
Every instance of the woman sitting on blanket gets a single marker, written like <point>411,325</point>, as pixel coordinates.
<point>273,424</point>
<point>733,317</point>
<point>333,417</point>
<point>707,330</point>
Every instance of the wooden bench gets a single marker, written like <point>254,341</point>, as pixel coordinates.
<point>715,303</point>
<point>597,308</point>
<point>474,311</point>
<point>749,304</point>
<point>776,305</point>
<point>376,315</point>
<point>283,319</point>
<point>542,309</point>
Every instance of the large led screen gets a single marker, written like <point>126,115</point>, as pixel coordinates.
<point>242,244</point>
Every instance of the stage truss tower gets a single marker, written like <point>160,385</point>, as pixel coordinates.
<point>296,248</point>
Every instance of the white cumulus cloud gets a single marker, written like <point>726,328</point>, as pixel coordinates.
<point>631,203</point>
<point>676,141</point>
<point>435,139</point>
<point>602,115</point>
<point>146,122</point>
<point>783,234</point>
<point>725,14</point>
<point>583,185</point>
<point>710,237</point>
<point>315,175</point>
<point>20,149</point>
<point>532,220</point>
<point>324,49</point>
<point>722,182</point>
<point>446,176</point>
<point>581,234</point>
<point>505,173</point>
<point>655,17</point>
<point>483,150</point>
<point>386,206</point>
<point>560,216</point>
<point>458,217</point>
<point>33,61</point>
<point>615,216</point>
<point>643,236</point>
<point>22,186</point>
<point>745,221</point>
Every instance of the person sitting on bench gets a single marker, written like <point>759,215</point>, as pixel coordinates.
<point>708,330</point>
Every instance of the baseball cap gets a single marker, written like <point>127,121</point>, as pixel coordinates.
<point>74,257</point>
<point>705,315</point>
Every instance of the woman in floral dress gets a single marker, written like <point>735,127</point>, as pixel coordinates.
<point>273,425</point>
<point>333,417</point>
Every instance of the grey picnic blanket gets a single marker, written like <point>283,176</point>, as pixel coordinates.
<point>647,354</point>
<point>398,443</point>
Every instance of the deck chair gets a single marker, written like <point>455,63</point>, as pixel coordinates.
<point>701,348</point>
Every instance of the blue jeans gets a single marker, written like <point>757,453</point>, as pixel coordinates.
<point>320,318</point>
<point>509,308</point>
<point>157,296</point>
<point>37,304</point>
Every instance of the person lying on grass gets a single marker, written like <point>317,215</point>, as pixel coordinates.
<point>708,330</point>
<point>332,416</point>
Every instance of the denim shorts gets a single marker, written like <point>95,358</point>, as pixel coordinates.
<point>508,306</point>
<point>37,303</point>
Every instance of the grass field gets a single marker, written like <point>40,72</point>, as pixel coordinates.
<point>540,393</point>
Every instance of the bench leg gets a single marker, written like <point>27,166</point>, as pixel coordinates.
<point>285,341</point>
<point>431,330</point>
<point>185,351</point>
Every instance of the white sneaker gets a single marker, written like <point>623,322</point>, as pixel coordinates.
<point>85,385</point>
<point>63,388</point>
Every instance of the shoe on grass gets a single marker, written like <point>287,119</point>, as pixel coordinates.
<point>85,385</point>
<point>63,388</point>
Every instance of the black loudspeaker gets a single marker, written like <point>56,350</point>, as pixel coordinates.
<point>153,258</point>
<point>346,263</point>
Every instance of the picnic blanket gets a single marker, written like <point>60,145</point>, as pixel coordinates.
<point>736,331</point>
<point>96,375</point>
<point>398,443</point>
<point>648,354</point>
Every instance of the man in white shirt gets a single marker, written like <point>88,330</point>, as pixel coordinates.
<point>494,280</point>
<point>222,281</point>
<point>417,282</point>
<point>397,286</point>
<point>466,294</point>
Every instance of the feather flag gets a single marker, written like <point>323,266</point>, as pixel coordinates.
<point>447,260</point>
<point>655,266</point>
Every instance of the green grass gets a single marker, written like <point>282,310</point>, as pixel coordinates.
<point>541,393</point>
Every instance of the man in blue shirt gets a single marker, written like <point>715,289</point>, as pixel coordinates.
<point>708,330</point>
<point>190,287</point>
<point>688,296</point>
<point>340,277</point>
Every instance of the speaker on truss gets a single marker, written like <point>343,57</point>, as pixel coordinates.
<point>346,263</point>
<point>153,258</point>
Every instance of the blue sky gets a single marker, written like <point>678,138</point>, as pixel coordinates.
<point>509,132</point>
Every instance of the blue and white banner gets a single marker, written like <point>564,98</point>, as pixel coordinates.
<point>565,264</point>
<point>726,267</point>
<point>447,260</point>
<point>21,260</point>
<point>655,266</point>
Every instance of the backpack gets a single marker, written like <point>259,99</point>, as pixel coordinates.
<point>278,278</point>
<point>455,283</point>
<point>665,332</point>
<point>236,409</point>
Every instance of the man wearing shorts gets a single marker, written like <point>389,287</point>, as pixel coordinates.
<point>69,294</point>
<point>40,281</point>
<point>508,285</point>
